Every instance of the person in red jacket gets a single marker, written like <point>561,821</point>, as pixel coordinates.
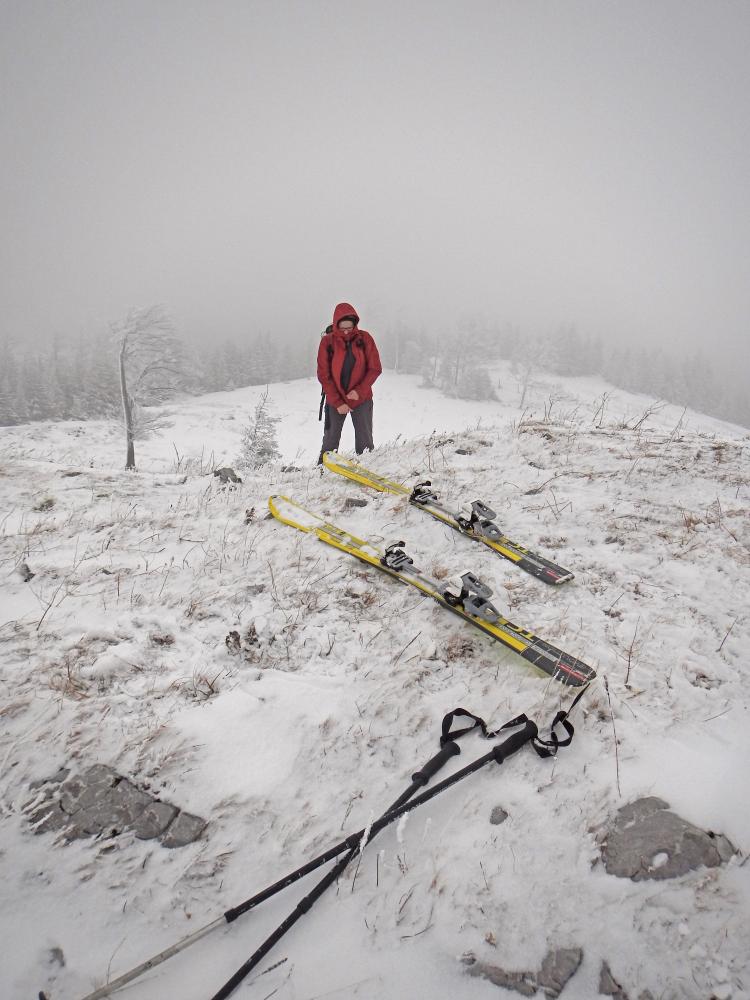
<point>348,364</point>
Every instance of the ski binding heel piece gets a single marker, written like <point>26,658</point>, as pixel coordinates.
<point>422,493</point>
<point>481,510</point>
<point>396,558</point>
<point>477,519</point>
<point>473,598</point>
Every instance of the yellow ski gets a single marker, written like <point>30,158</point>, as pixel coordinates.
<point>471,603</point>
<point>476,523</point>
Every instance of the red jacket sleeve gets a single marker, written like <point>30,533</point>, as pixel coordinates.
<point>374,367</point>
<point>324,373</point>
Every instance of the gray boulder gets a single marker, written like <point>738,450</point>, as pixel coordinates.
<point>648,841</point>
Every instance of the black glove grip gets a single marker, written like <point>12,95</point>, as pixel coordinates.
<point>433,765</point>
<point>515,742</point>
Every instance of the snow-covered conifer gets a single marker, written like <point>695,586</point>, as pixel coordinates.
<point>259,443</point>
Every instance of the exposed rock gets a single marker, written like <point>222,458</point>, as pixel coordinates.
<point>61,775</point>
<point>608,985</point>
<point>154,820</point>
<point>354,502</point>
<point>227,475</point>
<point>101,802</point>
<point>56,957</point>
<point>648,841</point>
<point>522,982</point>
<point>557,968</point>
<point>184,830</point>
<point>82,792</point>
<point>48,817</point>
<point>498,816</point>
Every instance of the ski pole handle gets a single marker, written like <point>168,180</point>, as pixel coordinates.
<point>433,765</point>
<point>514,743</point>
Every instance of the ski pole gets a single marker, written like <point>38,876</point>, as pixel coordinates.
<point>404,804</point>
<point>419,778</point>
<point>449,748</point>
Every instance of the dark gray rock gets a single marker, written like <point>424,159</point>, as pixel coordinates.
<point>608,985</point>
<point>184,830</point>
<point>55,956</point>
<point>102,803</point>
<point>648,841</point>
<point>154,820</point>
<point>117,810</point>
<point>48,817</point>
<point>227,475</point>
<point>498,816</point>
<point>354,502</point>
<point>522,982</point>
<point>55,779</point>
<point>128,799</point>
<point>84,791</point>
<point>557,968</point>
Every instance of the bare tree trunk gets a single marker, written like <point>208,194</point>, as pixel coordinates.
<point>525,383</point>
<point>127,410</point>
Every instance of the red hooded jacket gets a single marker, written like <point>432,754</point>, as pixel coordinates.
<point>331,354</point>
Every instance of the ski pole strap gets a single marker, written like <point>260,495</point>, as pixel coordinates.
<point>476,722</point>
<point>544,747</point>
<point>548,748</point>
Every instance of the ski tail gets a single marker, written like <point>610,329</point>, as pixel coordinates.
<point>359,474</point>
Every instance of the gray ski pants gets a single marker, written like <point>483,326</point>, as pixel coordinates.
<point>334,422</point>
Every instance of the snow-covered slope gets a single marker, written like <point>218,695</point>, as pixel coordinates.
<point>115,652</point>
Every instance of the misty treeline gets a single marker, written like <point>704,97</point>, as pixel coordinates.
<point>458,366</point>
<point>78,378</point>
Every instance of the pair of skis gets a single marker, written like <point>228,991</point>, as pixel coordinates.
<point>471,602</point>
<point>477,521</point>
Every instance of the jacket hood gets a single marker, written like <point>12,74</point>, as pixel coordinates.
<point>342,310</point>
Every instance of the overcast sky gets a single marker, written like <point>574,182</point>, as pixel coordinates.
<point>249,164</point>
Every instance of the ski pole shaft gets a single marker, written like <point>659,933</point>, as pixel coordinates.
<point>403,805</point>
<point>300,909</point>
<point>498,754</point>
<point>128,977</point>
<point>419,778</point>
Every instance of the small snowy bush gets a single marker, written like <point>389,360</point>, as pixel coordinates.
<point>259,443</point>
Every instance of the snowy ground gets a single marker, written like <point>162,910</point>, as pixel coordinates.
<point>341,685</point>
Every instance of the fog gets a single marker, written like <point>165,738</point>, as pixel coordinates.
<point>249,164</point>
